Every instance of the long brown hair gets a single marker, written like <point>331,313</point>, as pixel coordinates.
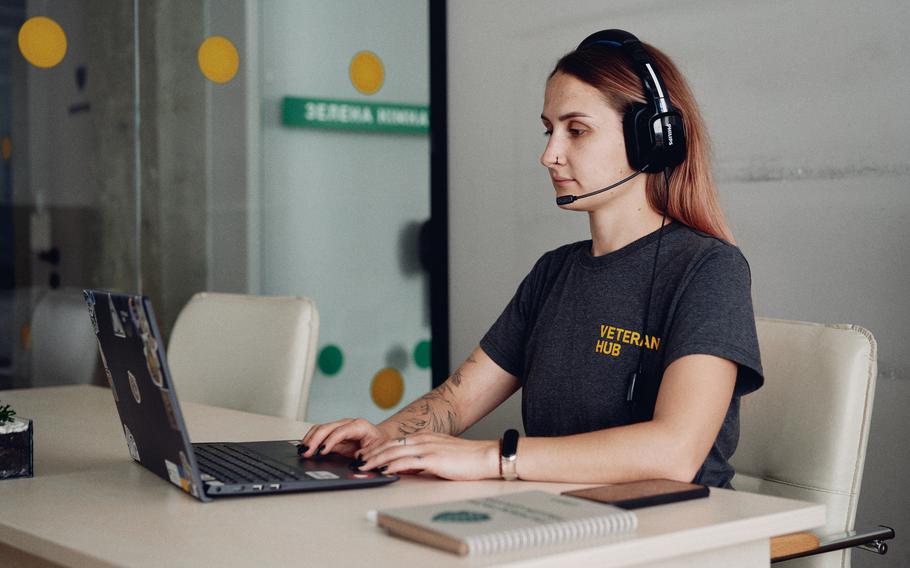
<point>693,196</point>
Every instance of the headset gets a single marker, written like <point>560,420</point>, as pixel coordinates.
<point>655,141</point>
<point>654,133</point>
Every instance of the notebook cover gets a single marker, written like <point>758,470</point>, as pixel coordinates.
<point>506,522</point>
<point>638,494</point>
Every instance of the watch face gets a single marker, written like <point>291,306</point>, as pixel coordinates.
<point>509,443</point>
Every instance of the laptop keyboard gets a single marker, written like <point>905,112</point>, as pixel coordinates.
<point>232,464</point>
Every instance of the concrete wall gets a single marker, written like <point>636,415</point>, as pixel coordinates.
<point>802,102</point>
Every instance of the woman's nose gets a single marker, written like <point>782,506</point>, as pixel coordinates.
<point>551,155</point>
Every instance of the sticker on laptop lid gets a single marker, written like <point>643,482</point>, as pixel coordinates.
<point>115,318</point>
<point>150,349</point>
<point>168,409</point>
<point>134,386</point>
<point>131,443</point>
<point>110,382</point>
<point>185,463</point>
<point>173,473</point>
<point>186,475</point>
<point>107,372</point>
<point>322,474</point>
<point>134,302</point>
<point>90,301</point>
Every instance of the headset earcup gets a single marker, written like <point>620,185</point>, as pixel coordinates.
<point>672,148</point>
<point>638,141</point>
<point>646,152</point>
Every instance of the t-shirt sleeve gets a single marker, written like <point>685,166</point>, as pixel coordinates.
<point>505,341</point>
<point>714,316</point>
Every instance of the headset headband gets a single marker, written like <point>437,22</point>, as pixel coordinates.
<point>654,131</point>
<point>646,70</point>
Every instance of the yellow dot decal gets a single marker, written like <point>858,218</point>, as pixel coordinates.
<point>218,59</point>
<point>367,73</point>
<point>6,147</point>
<point>387,388</point>
<point>42,42</point>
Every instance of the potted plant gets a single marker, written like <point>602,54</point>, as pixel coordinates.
<point>15,444</point>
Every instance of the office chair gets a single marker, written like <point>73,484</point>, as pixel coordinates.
<point>803,435</point>
<point>251,353</point>
<point>63,346</point>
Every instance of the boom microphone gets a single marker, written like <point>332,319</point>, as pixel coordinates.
<point>566,199</point>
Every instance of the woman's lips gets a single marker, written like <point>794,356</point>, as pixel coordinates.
<point>562,181</point>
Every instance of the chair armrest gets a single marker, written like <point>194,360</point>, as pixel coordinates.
<point>798,545</point>
<point>790,545</point>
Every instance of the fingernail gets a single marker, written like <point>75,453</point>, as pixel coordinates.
<point>382,469</point>
<point>357,463</point>
<point>319,450</point>
<point>302,448</point>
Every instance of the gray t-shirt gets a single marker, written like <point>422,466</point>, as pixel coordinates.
<point>573,331</point>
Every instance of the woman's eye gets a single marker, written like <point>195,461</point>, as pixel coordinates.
<point>547,132</point>
<point>576,132</point>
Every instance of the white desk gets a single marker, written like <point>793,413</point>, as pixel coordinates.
<point>89,504</point>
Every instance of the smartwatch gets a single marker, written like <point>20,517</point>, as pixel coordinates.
<point>508,455</point>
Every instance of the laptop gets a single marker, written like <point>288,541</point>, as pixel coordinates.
<point>134,360</point>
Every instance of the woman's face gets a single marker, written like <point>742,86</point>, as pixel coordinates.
<point>585,148</point>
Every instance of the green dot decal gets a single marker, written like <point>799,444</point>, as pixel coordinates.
<point>422,354</point>
<point>330,360</point>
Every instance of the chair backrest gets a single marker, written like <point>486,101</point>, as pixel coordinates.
<point>63,345</point>
<point>251,353</point>
<point>804,433</point>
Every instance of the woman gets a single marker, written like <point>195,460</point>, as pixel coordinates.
<point>633,348</point>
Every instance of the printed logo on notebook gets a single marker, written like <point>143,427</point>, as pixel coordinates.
<point>461,517</point>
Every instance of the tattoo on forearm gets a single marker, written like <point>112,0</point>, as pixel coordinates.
<point>434,411</point>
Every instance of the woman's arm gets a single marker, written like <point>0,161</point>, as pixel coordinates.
<point>691,404</point>
<point>477,387</point>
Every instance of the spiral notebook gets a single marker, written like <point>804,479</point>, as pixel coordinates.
<point>507,522</point>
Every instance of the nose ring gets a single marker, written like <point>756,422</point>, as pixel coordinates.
<point>557,160</point>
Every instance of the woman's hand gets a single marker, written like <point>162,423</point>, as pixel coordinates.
<point>345,437</point>
<point>442,455</point>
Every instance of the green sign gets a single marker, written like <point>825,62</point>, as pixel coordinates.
<point>355,115</point>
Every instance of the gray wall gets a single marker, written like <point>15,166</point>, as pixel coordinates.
<point>801,100</point>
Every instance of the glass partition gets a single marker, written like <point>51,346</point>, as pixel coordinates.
<point>177,146</point>
<point>68,193</point>
<point>344,90</point>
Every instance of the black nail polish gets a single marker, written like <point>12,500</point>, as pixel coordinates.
<point>302,448</point>
<point>381,469</point>
<point>357,463</point>
<point>319,450</point>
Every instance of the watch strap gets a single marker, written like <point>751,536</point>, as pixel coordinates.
<point>508,455</point>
